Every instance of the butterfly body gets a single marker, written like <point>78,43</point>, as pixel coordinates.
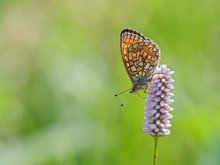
<point>140,56</point>
<point>142,83</point>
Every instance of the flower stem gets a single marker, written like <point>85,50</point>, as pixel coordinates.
<point>155,158</point>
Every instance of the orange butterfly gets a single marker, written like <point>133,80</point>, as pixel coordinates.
<point>141,56</point>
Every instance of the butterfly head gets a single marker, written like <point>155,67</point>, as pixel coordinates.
<point>141,83</point>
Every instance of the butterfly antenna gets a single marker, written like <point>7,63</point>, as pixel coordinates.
<point>122,92</point>
<point>123,102</point>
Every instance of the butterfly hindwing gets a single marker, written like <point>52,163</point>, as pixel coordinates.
<point>140,55</point>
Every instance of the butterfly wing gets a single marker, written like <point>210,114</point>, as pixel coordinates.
<point>140,55</point>
<point>151,58</point>
<point>127,38</point>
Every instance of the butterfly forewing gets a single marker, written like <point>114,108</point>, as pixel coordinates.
<point>140,55</point>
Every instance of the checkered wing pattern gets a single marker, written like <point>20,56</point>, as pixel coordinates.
<point>140,55</point>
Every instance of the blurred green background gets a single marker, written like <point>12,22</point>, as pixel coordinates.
<point>60,66</point>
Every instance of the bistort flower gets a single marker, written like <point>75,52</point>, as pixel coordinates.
<point>157,110</point>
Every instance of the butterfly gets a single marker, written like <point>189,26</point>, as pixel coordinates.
<point>141,56</point>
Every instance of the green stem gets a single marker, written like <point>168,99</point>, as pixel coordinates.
<point>155,158</point>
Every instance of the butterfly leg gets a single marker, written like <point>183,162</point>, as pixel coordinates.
<point>146,91</point>
<point>141,96</point>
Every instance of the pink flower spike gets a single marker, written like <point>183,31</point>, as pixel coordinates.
<point>157,111</point>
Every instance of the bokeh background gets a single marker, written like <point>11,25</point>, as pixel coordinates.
<point>60,66</point>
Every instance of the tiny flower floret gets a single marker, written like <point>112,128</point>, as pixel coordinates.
<point>157,110</point>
